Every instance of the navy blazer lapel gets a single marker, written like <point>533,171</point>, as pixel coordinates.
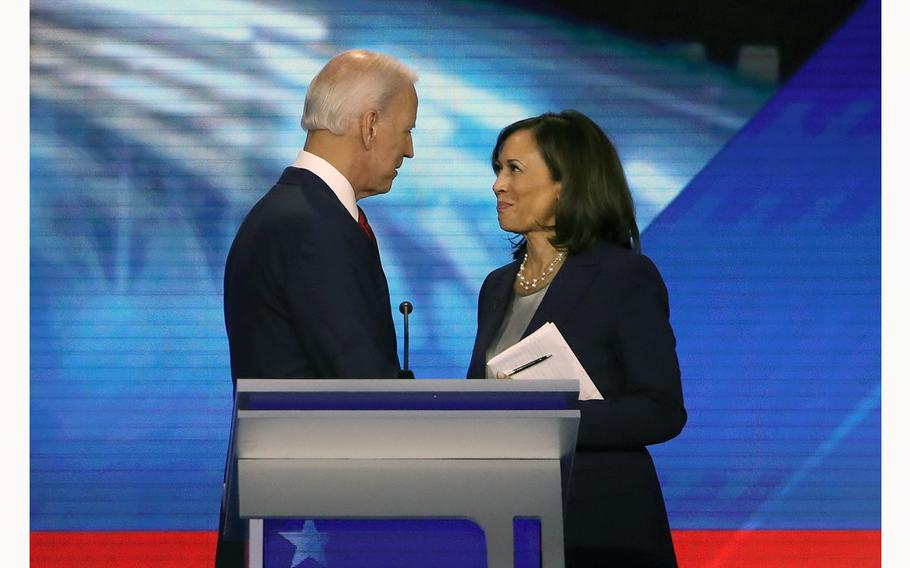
<point>494,305</point>
<point>566,289</point>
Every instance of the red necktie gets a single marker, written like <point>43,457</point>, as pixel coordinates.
<point>365,226</point>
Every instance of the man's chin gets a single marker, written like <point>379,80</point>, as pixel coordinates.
<point>378,190</point>
<point>388,185</point>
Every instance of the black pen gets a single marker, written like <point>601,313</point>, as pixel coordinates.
<point>528,365</point>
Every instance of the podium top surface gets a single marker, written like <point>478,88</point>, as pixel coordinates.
<point>405,385</point>
<point>405,394</point>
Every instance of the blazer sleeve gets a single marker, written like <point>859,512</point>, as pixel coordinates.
<point>477,366</point>
<point>649,409</point>
<point>340,314</point>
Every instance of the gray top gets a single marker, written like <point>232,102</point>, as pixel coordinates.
<point>518,315</point>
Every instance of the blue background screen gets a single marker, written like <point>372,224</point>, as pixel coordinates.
<point>156,125</point>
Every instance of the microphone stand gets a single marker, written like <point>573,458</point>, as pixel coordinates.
<point>405,308</point>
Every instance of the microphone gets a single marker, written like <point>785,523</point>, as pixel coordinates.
<point>405,308</point>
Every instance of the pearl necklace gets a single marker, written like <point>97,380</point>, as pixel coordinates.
<point>528,286</point>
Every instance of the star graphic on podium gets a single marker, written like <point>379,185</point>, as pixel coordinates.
<point>309,543</point>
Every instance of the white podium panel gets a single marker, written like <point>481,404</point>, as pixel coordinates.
<point>488,451</point>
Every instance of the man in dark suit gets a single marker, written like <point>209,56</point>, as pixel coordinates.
<point>305,295</point>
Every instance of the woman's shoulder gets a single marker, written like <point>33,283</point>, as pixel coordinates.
<point>606,252</point>
<point>505,271</point>
<point>616,261</point>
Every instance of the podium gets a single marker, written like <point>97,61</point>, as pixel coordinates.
<point>489,451</point>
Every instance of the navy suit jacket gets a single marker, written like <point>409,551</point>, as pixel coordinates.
<point>612,308</point>
<point>304,297</point>
<point>304,291</point>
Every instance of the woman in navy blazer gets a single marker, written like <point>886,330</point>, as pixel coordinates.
<point>560,186</point>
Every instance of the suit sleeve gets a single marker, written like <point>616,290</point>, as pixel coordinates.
<point>477,366</point>
<point>340,310</point>
<point>650,408</point>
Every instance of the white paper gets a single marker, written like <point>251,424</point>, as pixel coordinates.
<point>563,364</point>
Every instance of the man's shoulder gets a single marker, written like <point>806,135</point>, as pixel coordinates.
<point>296,184</point>
<point>299,177</point>
<point>297,207</point>
<point>297,192</point>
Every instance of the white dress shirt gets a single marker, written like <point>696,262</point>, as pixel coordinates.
<point>332,177</point>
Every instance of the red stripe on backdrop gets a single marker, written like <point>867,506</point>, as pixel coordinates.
<point>778,549</point>
<point>123,549</point>
<point>695,549</point>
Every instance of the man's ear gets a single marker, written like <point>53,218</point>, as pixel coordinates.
<point>368,128</point>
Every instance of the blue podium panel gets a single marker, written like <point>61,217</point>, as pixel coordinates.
<point>419,400</point>
<point>399,543</point>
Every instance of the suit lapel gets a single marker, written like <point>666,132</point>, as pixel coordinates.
<point>567,288</point>
<point>495,303</point>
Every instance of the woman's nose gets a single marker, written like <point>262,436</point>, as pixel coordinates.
<point>499,184</point>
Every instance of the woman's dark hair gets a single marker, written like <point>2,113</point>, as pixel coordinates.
<point>595,202</point>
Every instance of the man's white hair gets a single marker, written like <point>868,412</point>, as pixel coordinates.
<point>349,85</point>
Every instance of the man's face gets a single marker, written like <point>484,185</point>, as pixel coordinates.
<point>392,143</point>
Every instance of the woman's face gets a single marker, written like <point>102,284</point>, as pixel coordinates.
<point>526,195</point>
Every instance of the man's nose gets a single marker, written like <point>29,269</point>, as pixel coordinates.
<point>409,150</point>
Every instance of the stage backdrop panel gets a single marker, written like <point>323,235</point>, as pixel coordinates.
<point>156,125</point>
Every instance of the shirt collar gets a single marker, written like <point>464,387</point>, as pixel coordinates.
<point>331,176</point>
